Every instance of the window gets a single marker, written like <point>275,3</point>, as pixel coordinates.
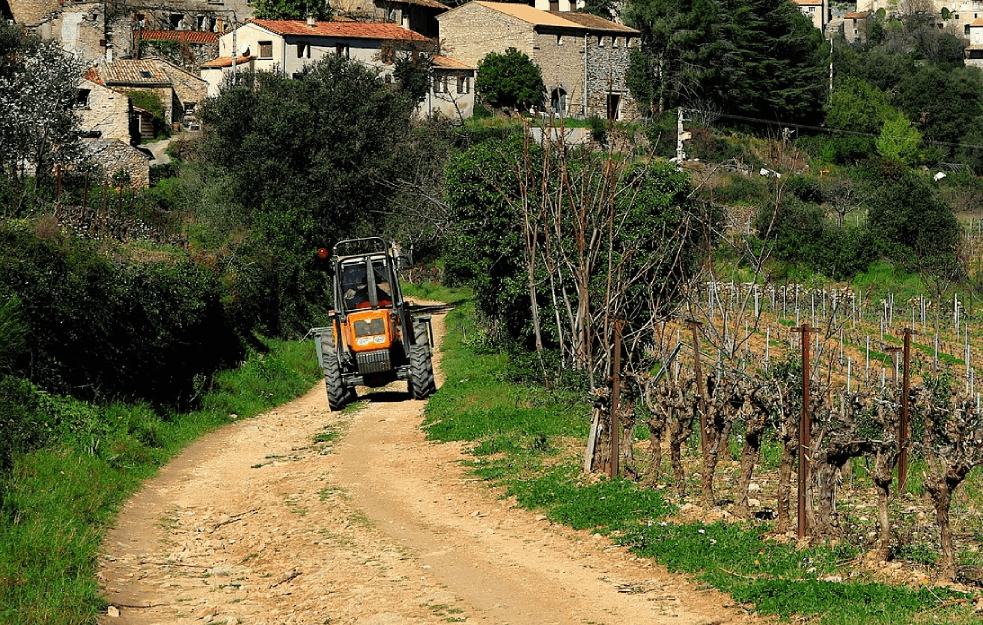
<point>145,74</point>
<point>342,50</point>
<point>189,108</point>
<point>600,41</point>
<point>266,49</point>
<point>303,50</point>
<point>440,83</point>
<point>614,42</point>
<point>177,21</point>
<point>559,40</point>
<point>82,98</point>
<point>391,15</point>
<point>966,31</point>
<point>463,84</point>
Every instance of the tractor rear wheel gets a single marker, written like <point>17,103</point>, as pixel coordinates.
<point>421,383</point>
<point>338,395</point>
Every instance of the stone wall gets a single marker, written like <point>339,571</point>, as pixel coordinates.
<point>187,89</point>
<point>470,32</point>
<point>113,156</point>
<point>608,58</point>
<point>32,13</point>
<point>560,57</point>
<point>106,112</point>
<point>80,27</point>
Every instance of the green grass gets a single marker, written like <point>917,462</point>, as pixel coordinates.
<point>56,503</point>
<point>528,442</point>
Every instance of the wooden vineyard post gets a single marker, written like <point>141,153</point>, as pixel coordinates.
<point>615,400</point>
<point>804,427</point>
<point>904,427</point>
<point>693,325</point>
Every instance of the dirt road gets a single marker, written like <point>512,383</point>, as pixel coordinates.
<point>306,516</point>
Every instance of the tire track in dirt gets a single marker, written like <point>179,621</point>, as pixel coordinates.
<point>305,516</point>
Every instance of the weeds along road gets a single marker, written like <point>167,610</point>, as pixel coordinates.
<point>304,516</point>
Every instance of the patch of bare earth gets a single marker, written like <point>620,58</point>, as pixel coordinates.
<point>263,523</point>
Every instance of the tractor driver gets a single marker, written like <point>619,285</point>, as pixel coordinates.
<point>357,290</point>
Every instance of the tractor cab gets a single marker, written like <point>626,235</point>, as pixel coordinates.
<point>374,339</point>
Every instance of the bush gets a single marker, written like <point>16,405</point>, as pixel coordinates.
<point>106,329</point>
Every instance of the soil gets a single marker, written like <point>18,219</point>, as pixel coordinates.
<point>302,515</point>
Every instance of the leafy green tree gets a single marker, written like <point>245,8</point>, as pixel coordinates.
<point>909,218</point>
<point>305,162</point>
<point>898,141</point>
<point>293,10</point>
<point>943,103</point>
<point>412,72</point>
<point>38,90</point>
<point>510,79</point>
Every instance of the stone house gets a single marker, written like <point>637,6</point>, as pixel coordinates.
<point>287,46</point>
<point>451,90</point>
<point>583,58</point>
<point>104,113</point>
<point>817,11</point>
<point>179,91</point>
<point>108,123</point>
<point>974,51</point>
<point>854,26</point>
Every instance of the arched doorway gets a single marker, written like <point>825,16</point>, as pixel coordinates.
<point>558,101</point>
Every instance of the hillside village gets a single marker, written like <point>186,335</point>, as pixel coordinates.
<point>182,51</point>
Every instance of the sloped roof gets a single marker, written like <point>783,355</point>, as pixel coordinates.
<point>857,15</point>
<point>555,19</point>
<point>977,22</point>
<point>141,72</point>
<point>225,61</point>
<point>430,4</point>
<point>528,14</point>
<point>808,2</point>
<point>348,30</point>
<point>445,62</point>
<point>187,36</point>
<point>594,22</point>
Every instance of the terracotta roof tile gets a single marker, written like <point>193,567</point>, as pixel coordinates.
<point>977,22</point>
<point>350,30</point>
<point>445,62</point>
<point>226,61</point>
<point>189,36</point>
<point>529,14</point>
<point>133,72</point>
<point>857,15</point>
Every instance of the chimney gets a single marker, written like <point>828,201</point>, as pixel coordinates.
<point>310,21</point>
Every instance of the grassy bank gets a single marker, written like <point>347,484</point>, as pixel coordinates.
<point>529,441</point>
<point>55,503</point>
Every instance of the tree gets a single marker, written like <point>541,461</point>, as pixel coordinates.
<point>898,141</point>
<point>751,57</point>
<point>910,219</point>
<point>944,103</point>
<point>510,79</point>
<point>38,90</point>
<point>412,72</point>
<point>293,10</point>
<point>308,161</point>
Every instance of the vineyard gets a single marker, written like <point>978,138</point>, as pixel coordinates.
<point>893,429</point>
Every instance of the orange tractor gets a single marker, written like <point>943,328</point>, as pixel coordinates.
<point>374,337</point>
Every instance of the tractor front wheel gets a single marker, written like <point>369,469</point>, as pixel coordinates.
<point>421,383</point>
<point>338,395</point>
